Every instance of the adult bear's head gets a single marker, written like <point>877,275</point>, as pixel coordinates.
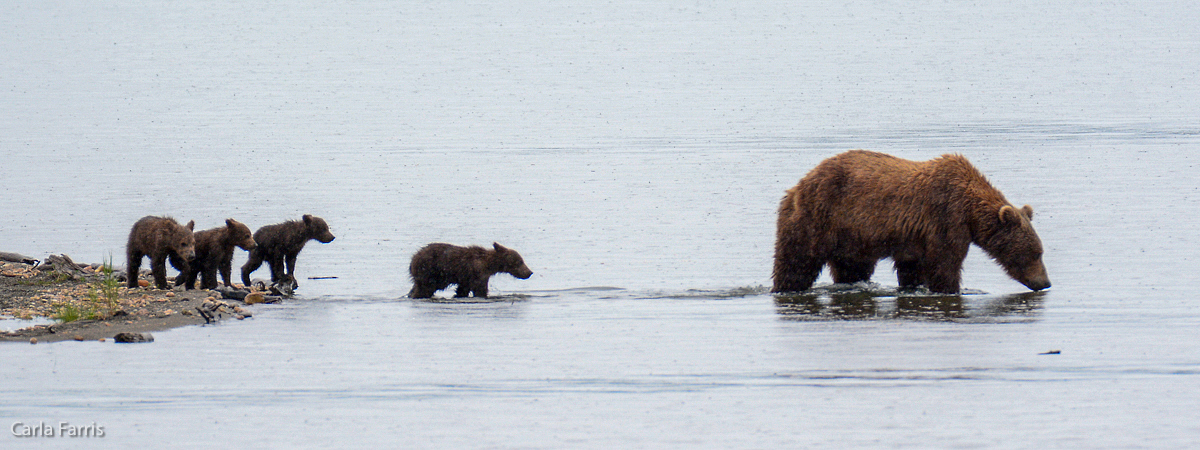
<point>1013,243</point>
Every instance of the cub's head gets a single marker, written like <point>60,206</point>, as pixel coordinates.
<point>240,234</point>
<point>1015,245</point>
<point>316,228</point>
<point>510,261</point>
<point>181,240</point>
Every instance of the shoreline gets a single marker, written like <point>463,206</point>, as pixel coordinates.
<point>28,291</point>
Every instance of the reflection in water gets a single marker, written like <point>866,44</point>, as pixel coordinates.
<point>940,307</point>
<point>496,307</point>
<point>709,294</point>
<point>865,302</point>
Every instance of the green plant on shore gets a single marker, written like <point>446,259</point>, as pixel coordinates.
<point>104,298</point>
<point>105,294</point>
<point>67,312</point>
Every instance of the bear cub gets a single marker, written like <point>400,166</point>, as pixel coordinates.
<point>279,244</point>
<point>214,251</point>
<point>162,239</point>
<point>436,266</point>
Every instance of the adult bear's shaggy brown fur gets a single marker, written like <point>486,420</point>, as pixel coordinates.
<point>160,238</point>
<point>214,251</point>
<point>436,266</point>
<point>858,207</point>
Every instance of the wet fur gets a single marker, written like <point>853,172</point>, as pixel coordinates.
<point>162,239</point>
<point>279,245</point>
<point>214,251</point>
<point>858,207</point>
<point>437,266</point>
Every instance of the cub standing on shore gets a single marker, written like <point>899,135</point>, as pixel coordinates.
<point>437,266</point>
<point>280,243</point>
<point>214,250</point>
<point>160,238</point>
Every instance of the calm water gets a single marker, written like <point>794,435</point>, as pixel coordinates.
<point>634,153</point>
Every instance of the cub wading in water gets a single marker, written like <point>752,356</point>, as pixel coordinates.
<point>437,266</point>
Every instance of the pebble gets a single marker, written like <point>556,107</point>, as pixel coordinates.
<point>254,297</point>
<point>32,340</point>
<point>143,283</point>
<point>79,338</point>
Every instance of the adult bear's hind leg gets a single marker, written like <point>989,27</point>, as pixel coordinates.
<point>908,274</point>
<point>851,271</point>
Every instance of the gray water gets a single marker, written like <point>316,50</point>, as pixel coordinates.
<point>634,153</point>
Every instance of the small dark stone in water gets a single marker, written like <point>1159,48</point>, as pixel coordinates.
<point>1051,352</point>
<point>129,338</point>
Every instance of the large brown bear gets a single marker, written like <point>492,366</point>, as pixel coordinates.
<point>280,243</point>
<point>214,251</point>
<point>859,207</point>
<point>160,238</point>
<point>436,266</point>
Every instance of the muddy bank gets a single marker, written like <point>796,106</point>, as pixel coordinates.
<point>84,310</point>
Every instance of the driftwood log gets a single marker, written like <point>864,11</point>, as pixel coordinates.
<point>17,258</point>
<point>63,264</point>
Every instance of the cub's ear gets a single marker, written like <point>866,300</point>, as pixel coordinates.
<point>230,223</point>
<point>498,247</point>
<point>307,218</point>
<point>191,225</point>
<point>1008,214</point>
<point>1028,210</point>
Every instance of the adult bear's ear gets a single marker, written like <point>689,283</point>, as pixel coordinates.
<point>1008,214</point>
<point>1028,210</point>
<point>229,223</point>
<point>307,218</point>
<point>192,225</point>
<point>498,247</point>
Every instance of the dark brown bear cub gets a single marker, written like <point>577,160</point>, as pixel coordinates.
<point>859,207</point>
<point>214,251</point>
<point>437,266</point>
<point>280,243</point>
<point>162,239</point>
